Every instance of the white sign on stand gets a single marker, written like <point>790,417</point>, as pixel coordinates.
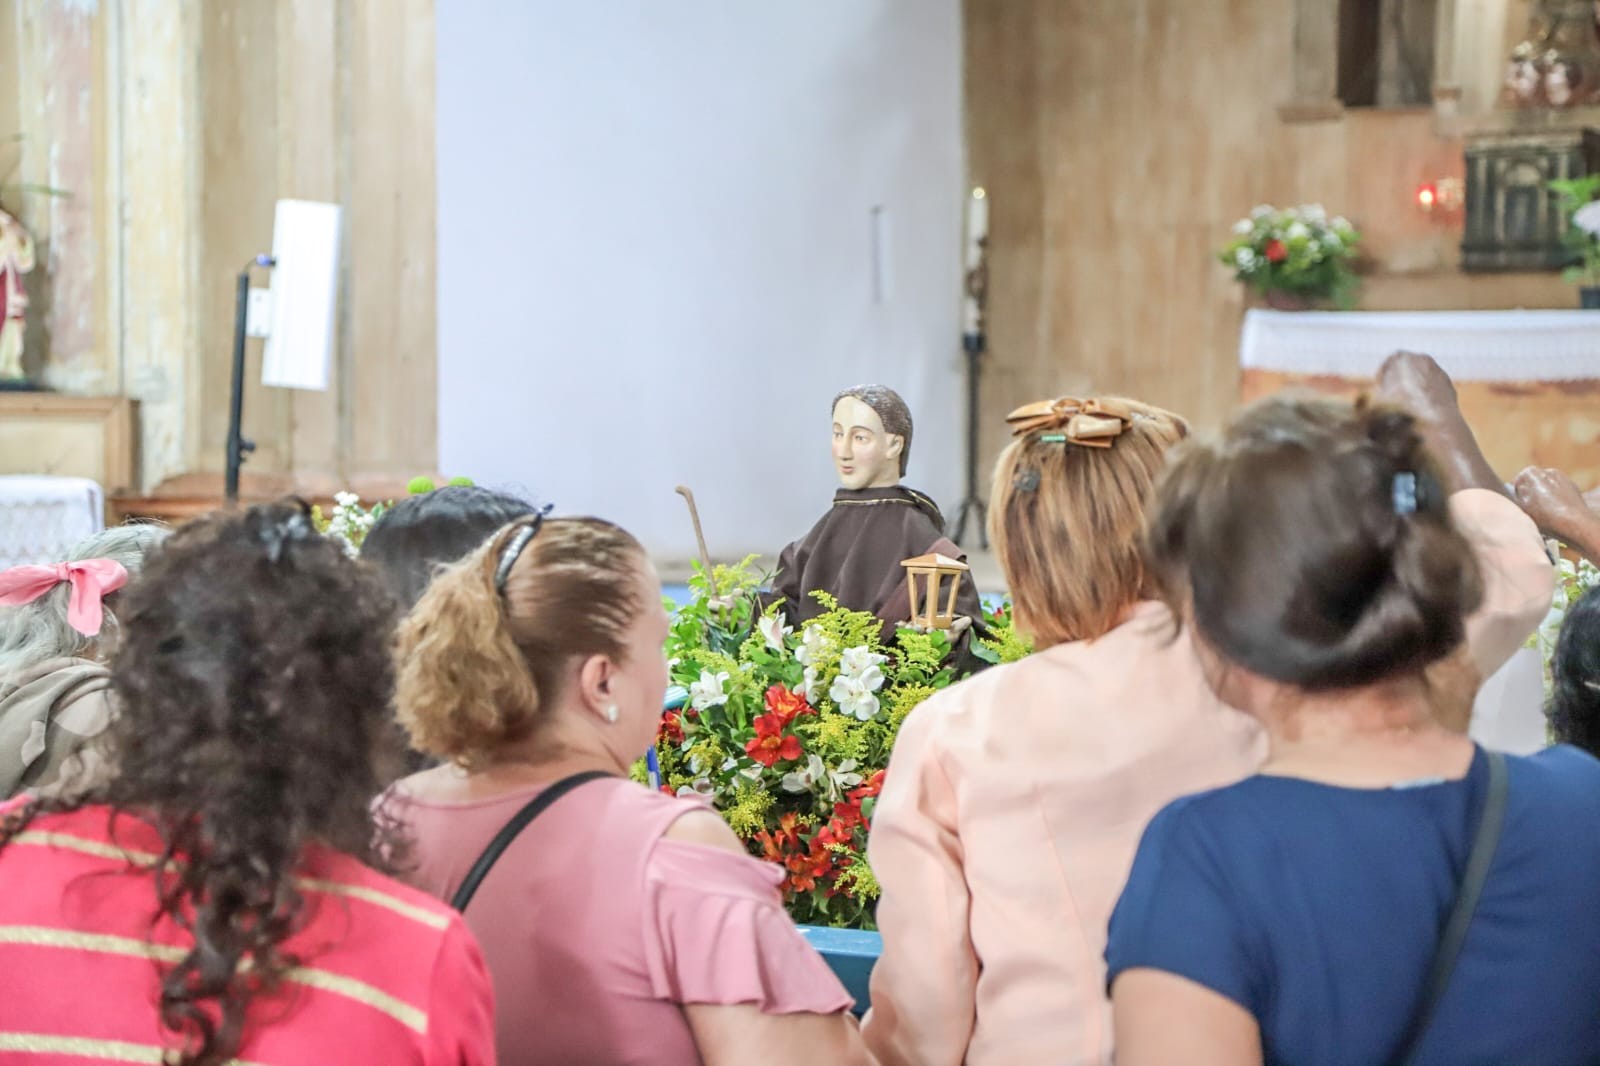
<point>305,295</point>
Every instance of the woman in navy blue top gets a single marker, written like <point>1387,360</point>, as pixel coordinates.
<point>1293,917</point>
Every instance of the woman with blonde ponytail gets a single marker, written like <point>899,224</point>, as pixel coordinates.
<point>620,925</point>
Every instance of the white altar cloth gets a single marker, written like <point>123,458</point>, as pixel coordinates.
<point>41,518</point>
<point>1470,345</point>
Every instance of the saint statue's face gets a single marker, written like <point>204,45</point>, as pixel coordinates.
<point>864,455</point>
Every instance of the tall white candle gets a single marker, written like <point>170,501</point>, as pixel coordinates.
<point>977,231</point>
<point>977,225</point>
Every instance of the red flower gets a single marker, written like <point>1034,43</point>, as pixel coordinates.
<point>671,730</point>
<point>777,845</point>
<point>1276,251</point>
<point>786,704</point>
<point>807,867</point>
<point>872,786</point>
<point>770,745</point>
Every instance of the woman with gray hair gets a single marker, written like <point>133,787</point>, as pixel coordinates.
<point>56,632</point>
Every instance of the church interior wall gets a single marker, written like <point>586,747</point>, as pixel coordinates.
<point>753,209</point>
<point>1119,142</point>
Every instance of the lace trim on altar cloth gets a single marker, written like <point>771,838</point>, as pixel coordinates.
<point>42,518</point>
<point>1469,345</point>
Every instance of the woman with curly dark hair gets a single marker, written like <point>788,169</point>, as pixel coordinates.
<point>234,914</point>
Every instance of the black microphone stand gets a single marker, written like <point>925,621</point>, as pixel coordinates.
<point>238,446</point>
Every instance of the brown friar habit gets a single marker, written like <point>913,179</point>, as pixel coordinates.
<point>854,553</point>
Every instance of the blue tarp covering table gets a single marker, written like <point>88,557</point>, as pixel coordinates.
<point>851,953</point>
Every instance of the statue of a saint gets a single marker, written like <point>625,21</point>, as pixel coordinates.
<point>855,550</point>
<point>16,259</point>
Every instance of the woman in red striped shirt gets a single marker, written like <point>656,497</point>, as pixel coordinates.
<point>233,913</point>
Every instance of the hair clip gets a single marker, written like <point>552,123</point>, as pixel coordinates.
<point>1405,493</point>
<point>276,535</point>
<point>1051,438</point>
<point>514,547</point>
<point>1025,480</point>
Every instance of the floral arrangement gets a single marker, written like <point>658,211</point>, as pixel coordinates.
<point>1572,581</point>
<point>350,522</point>
<point>1580,203</point>
<point>788,734</point>
<point>1298,252</point>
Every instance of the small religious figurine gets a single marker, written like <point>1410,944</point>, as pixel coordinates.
<point>1559,89</point>
<point>16,259</point>
<point>854,551</point>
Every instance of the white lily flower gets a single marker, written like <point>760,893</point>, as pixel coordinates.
<point>1261,211</point>
<point>1341,224</point>
<point>1245,258</point>
<point>1314,213</point>
<point>708,692</point>
<point>854,698</point>
<point>1587,218</point>
<point>857,661</point>
<point>1243,226</point>
<point>803,779</point>
<point>813,645</point>
<point>807,688</point>
<point>1297,229</point>
<point>701,787</point>
<point>843,778</point>
<point>773,631</point>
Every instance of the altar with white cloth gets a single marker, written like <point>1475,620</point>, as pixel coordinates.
<point>1529,381</point>
<point>41,518</point>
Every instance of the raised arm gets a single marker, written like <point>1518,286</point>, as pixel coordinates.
<point>1417,383</point>
<point>1560,510</point>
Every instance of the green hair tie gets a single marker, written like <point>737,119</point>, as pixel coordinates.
<point>1052,438</point>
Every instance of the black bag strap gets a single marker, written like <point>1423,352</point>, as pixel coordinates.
<point>519,821</point>
<point>1479,859</point>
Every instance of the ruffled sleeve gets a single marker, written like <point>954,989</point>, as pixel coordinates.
<point>716,933</point>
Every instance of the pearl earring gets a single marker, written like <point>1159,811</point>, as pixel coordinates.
<point>612,714</point>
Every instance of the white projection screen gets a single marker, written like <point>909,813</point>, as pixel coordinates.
<point>670,233</point>
<point>305,295</point>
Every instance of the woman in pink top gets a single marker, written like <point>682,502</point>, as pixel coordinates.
<point>622,926</point>
<point>1015,800</point>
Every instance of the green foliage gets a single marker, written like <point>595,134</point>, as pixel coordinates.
<point>1573,194</point>
<point>1572,581</point>
<point>806,802</point>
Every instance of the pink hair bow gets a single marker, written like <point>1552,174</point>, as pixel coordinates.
<point>91,580</point>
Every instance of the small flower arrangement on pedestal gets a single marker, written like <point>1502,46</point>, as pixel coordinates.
<point>788,734</point>
<point>1294,257</point>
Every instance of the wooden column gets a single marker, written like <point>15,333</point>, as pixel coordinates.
<point>312,45</point>
<point>158,113</point>
<point>58,62</point>
<point>1314,63</point>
